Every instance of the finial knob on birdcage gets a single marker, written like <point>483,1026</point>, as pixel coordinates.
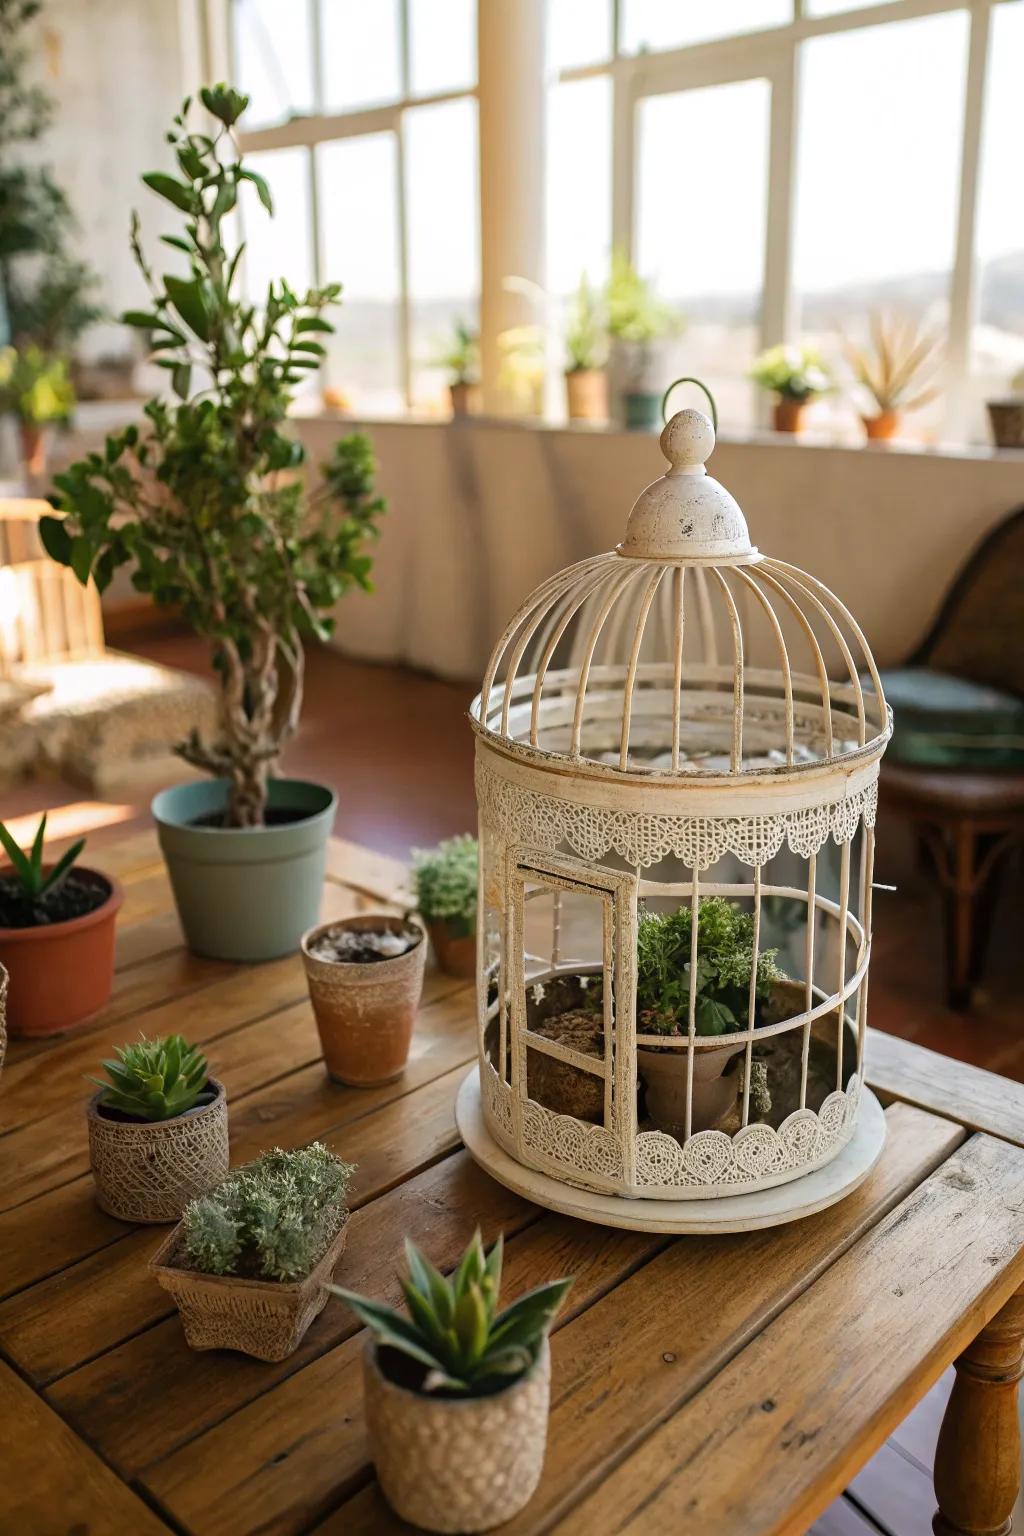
<point>686,515</point>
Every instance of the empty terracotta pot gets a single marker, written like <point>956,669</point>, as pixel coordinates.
<point>882,427</point>
<point>788,415</point>
<point>365,1010</point>
<point>61,973</point>
<point>454,951</point>
<point>665,1076</point>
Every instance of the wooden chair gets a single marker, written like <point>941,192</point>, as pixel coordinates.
<point>970,815</point>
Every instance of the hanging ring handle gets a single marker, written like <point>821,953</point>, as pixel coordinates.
<point>688,380</point>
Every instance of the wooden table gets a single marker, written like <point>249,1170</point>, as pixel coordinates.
<point>703,1387</point>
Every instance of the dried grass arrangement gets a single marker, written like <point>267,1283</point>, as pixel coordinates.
<point>896,367</point>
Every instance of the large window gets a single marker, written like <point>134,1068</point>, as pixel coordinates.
<point>363,121</point>
<point>783,169</point>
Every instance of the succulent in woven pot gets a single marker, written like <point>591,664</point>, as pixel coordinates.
<point>444,879</point>
<point>248,1263</point>
<point>365,977</point>
<point>723,986</point>
<point>456,1393</point>
<point>158,1130</point>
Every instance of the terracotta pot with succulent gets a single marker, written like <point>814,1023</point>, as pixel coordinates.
<point>586,345</point>
<point>158,1130</point>
<point>365,977</point>
<point>795,375</point>
<point>461,360</point>
<point>209,506</point>
<point>637,320</point>
<point>1006,416</point>
<point>248,1264</point>
<point>445,880</point>
<point>456,1393</point>
<point>56,937</point>
<point>893,368</point>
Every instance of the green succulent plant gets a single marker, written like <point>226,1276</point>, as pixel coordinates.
<point>155,1079</point>
<point>462,1345</point>
<point>271,1219</point>
<point>444,879</point>
<point>33,881</point>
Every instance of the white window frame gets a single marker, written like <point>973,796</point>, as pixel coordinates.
<point>774,55</point>
<point>214,51</point>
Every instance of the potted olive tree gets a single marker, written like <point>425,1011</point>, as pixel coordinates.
<point>56,937</point>
<point>209,506</point>
<point>461,359</point>
<point>365,977</point>
<point>893,370</point>
<point>586,345</point>
<point>794,375</point>
<point>457,1386</point>
<point>445,879</point>
<point>637,320</point>
<point>248,1262</point>
<point>158,1130</point>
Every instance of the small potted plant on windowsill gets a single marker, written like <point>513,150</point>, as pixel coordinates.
<point>158,1130</point>
<point>795,375</point>
<point>892,369</point>
<point>461,359</point>
<point>248,1264</point>
<point>365,977</point>
<point>637,320</point>
<point>35,387</point>
<point>456,1388</point>
<point>209,506</point>
<point>722,983</point>
<point>445,880</point>
<point>586,343</point>
<point>1006,416</point>
<point>56,937</point>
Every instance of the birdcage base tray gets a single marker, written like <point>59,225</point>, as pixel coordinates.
<point>731,1213</point>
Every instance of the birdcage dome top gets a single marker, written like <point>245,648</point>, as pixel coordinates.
<point>684,654</point>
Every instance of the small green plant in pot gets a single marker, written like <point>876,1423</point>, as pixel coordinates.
<point>461,361</point>
<point>637,320</point>
<point>158,1130</point>
<point>445,880</point>
<point>457,1385</point>
<point>795,375</point>
<point>56,936</point>
<point>209,507</point>
<point>586,346</point>
<point>721,982</point>
<point>248,1264</point>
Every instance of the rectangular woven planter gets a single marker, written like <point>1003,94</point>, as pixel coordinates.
<point>263,1318</point>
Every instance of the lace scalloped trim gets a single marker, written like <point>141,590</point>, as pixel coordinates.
<point>644,839</point>
<point>711,1162</point>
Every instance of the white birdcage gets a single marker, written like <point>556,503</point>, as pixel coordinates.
<point>679,719</point>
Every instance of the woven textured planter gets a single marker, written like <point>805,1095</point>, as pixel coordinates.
<point>365,1011</point>
<point>1007,421</point>
<point>148,1171</point>
<point>457,1464</point>
<point>263,1318</point>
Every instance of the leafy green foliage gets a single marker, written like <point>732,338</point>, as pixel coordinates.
<point>444,879</point>
<point>271,1219</point>
<point>586,332</point>
<point>725,949</point>
<point>155,1079</point>
<point>207,503</point>
<point>635,313</point>
<point>461,356</point>
<point>795,373</point>
<point>33,880</point>
<point>454,1333</point>
<point>35,386</point>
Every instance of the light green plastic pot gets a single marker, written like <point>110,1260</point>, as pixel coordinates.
<point>245,893</point>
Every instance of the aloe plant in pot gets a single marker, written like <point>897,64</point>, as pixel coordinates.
<point>457,1393</point>
<point>56,936</point>
<point>209,506</point>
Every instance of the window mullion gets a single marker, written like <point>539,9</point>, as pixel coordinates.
<point>404,301</point>
<point>778,320</point>
<point>963,285</point>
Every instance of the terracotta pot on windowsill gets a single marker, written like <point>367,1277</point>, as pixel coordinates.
<point>586,392</point>
<point>788,415</point>
<point>33,448</point>
<point>883,427</point>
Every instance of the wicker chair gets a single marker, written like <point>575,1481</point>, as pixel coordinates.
<point>955,766</point>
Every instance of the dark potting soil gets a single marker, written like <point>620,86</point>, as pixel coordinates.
<point>276,816</point>
<point>360,946</point>
<point>75,896</point>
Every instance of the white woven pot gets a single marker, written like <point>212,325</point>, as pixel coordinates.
<point>148,1171</point>
<point>457,1464</point>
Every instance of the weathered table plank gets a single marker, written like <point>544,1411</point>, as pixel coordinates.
<point>983,1101</point>
<point>800,1420</point>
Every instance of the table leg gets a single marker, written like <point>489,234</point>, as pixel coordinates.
<point>978,1457</point>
